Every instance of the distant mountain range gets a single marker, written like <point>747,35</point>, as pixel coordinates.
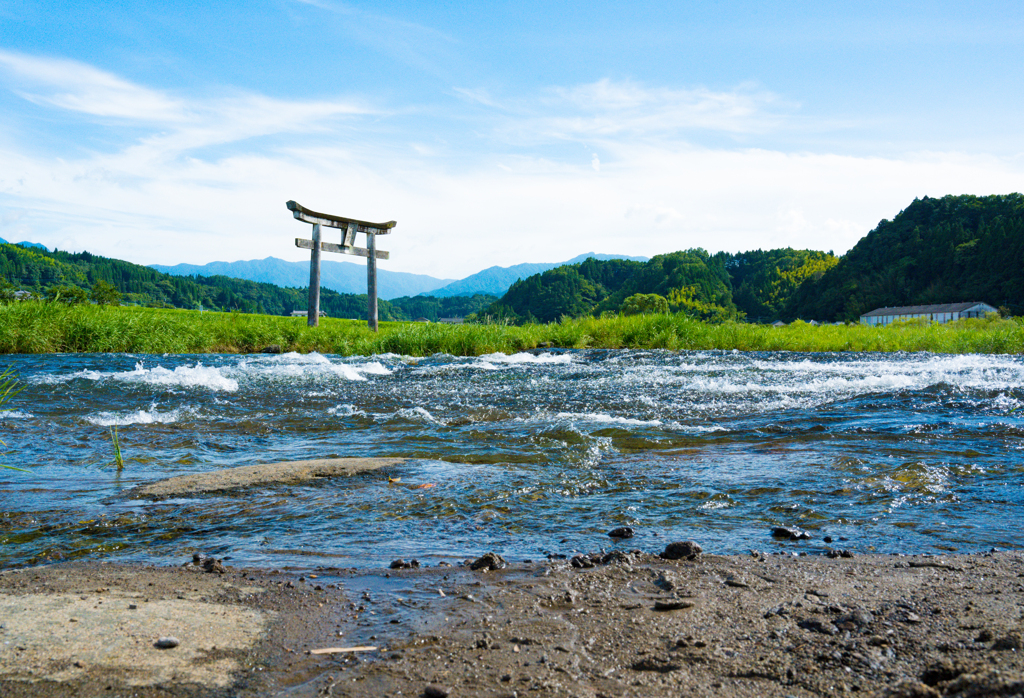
<point>345,277</point>
<point>24,244</point>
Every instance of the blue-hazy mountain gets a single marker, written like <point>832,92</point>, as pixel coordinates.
<point>343,277</point>
<point>346,277</point>
<point>496,280</point>
<point>25,243</point>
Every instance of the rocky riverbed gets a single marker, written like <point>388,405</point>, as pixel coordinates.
<point>623,624</point>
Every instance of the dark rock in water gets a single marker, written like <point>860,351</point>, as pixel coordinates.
<point>827,539</point>
<point>433,691</point>
<point>621,532</point>
<point>839,553</point>
<point>272,349</point>
<point>686,550</point>
<point>489,561</point>
<point>166,643</point>
<point>784,532</point>
<point>401,564</point>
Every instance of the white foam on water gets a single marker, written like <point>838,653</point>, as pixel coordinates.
<point>198,376</point>
<point>412,414</point>
<point>150,416</point>
<point>15,414</point>
<point>523,357</point>
<point>609,419</point>
<point>345,411</point>
<point>374,368</point>
<point>308,366</point>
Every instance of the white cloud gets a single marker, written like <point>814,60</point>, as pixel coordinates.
<point>162,198</point>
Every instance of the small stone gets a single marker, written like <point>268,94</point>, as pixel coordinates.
<point>621,532</point>
<point>132,607</point>
<point>432,691</point>
<point>1012,642</point>
<point>913,618</point>
<point>839,553</point>
<point>985,635</point>
<point>662,665</point>
<point>673,605</point>
<point>271,349</point>
<point>166,643</point>
<point>488,561</point>
<point>581,562</point>
<point>686,550</point>
<point>827,539</point>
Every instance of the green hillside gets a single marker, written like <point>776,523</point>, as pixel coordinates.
<point>709,287</point>
<point>42,273</point>
<point>957,248</point>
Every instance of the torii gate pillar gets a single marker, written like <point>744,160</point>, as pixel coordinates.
<point>349,227</point>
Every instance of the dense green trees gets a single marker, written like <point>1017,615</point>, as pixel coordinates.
<point>75,277</point>
<point>431,308</point>
<point>691,280</point>
<point>764,280</point>
<point>957,248</point>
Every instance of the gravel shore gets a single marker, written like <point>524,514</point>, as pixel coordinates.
<point>623,624</point>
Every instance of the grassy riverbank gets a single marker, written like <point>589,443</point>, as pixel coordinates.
<point>35,328</point>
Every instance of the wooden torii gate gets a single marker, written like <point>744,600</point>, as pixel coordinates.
<point>349,228</point>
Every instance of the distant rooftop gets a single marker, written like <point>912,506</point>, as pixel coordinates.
<point>924,309</point>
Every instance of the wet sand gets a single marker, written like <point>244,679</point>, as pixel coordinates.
<point>631,625</point>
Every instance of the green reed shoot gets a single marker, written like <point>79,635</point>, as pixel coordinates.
<point>9,387</point>
<point>118,460</point>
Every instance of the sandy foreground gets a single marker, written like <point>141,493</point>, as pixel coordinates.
<point>632,624</point>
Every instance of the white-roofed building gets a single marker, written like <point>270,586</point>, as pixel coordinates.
<point>942,312</point>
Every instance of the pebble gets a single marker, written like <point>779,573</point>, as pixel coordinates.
<point>839,553</point>
<point>166,643</point>
<point>686,550</point>
<point>488,561</point>
<point>401,564</point>
<point>674,605</point>
<point>432,691</point>
<point>621,532</point>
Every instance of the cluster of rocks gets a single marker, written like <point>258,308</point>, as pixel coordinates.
<point>201,562</point>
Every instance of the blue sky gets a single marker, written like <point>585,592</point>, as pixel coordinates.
<point>499,132</point>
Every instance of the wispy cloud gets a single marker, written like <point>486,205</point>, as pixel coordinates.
<point>632,179</point>
<point>82,88</point>
<point>178,124</point>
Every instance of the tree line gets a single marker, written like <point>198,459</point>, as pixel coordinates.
<point>952,249</point>
<point>67,277</point>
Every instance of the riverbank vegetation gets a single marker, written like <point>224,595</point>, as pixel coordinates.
<point>31,327</point>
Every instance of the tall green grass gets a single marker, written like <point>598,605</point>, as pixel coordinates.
<point>39,327</point>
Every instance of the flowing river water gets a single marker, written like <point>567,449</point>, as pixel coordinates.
<point>526,455</point>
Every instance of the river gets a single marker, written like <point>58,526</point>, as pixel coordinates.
<point>527,455</point>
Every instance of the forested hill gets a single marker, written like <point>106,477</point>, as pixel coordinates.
<point>712,287</point>
<point>46,273</point>
<point>957,248</point>
<point>41,271</point>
